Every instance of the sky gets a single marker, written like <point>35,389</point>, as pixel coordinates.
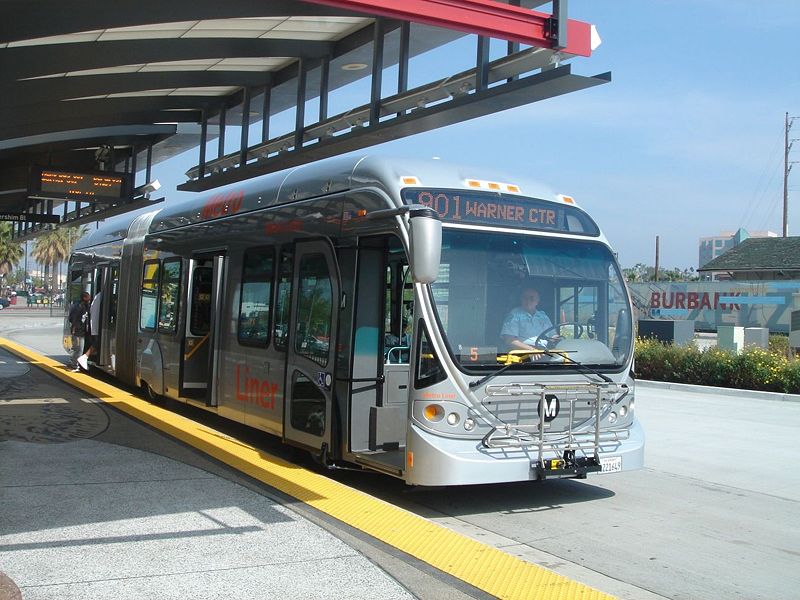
<point>685,142</point>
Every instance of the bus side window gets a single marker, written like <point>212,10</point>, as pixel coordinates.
<point>169,296</point>
<point>256,297</point>
<point>149,295</point>
<point>283,296</point>
<point>112,307</point>
<point>200,321</point>
<point>315,309</point>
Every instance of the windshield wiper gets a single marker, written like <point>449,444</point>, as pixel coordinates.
<point>582,367</point>
<point>501,370</point>
<point>517,357</point>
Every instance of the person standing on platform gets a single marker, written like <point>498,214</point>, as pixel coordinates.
<point>78,320</point>
<point>93,333</point>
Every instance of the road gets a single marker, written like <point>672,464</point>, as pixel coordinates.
<point>713,514</point>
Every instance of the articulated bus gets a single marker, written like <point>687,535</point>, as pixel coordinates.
<point>355,308</point>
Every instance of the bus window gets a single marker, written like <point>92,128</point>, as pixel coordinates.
<point>579,304</point>
<point>200,322</point>
<point>149,296</point>
<point>77,282</point>
<point>308,406</point>
<point>256,297</point>
<point>283,296</point>
<point>399,311</point>
<point>112,305</point>
<point>170,294</point>
<point>315,309</point>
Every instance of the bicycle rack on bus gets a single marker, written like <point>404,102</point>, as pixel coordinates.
<point>561,422</point>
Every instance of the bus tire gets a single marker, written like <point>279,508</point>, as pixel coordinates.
<point>150,395</point>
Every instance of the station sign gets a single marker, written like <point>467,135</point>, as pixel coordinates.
<point>83,186</point>
<point>28,218</point>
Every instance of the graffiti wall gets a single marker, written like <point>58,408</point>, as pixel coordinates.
<point>709,304</point>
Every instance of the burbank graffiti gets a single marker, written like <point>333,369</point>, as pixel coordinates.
<point>711,304</point>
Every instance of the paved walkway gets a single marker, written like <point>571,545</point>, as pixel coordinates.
<point>96,505</point>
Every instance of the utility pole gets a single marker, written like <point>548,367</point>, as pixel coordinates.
<point>655,274</point>
<point>787,167</point>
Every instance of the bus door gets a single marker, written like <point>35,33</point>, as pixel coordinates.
<point>108,316</point>
<point>200,345</point>
<point>311,350</point>
<point>384,308</point>
<point>101,284</point>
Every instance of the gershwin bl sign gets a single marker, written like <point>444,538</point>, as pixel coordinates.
<point>28,218</point>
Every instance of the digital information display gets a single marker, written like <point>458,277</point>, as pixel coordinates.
<point>73,185</point>
<point>492,208</point>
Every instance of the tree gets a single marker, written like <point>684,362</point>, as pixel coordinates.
<point>10,252</point>
<point>54,246</point>
<point>642,273</point>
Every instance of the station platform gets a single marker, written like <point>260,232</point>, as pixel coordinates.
<point>104,495</point>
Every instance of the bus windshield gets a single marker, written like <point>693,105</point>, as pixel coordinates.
<point>498,292</point>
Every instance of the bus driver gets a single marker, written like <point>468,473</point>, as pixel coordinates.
<point>524,324</point>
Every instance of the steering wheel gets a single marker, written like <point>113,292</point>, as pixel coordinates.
<point>537,343</point>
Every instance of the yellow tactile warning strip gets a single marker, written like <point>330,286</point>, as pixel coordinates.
<point>482,566</point>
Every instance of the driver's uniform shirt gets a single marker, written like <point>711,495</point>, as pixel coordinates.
<point>525,326</point>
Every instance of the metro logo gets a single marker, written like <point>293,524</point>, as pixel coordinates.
<point>220,205</point>
<point>551,407</point>
<point>253,390</point>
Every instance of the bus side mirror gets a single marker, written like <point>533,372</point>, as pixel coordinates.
<point>426,245</point>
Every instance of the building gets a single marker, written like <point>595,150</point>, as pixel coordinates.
<point>712,247</point>
<point>757,259</point>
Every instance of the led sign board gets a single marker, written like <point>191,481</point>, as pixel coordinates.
<point>75,185</point>
<point>501,210</point>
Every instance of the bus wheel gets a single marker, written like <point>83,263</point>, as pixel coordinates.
<point>150,395</point>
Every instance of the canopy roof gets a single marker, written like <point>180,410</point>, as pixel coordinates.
<point>118,87</point>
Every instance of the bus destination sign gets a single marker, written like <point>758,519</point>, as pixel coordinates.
<point>492,208</point>
<point>74,185</point>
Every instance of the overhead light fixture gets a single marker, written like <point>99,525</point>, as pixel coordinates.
<point>354,67</point>
<point>148,188</point>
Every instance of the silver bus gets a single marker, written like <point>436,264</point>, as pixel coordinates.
<point>360,308</point>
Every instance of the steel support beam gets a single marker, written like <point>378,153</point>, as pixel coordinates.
<point>547,84</point>
<point>484,17</point>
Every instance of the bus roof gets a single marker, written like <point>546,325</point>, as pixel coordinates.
<point>316,179</point>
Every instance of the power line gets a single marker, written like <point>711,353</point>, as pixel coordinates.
<point>751,210</point>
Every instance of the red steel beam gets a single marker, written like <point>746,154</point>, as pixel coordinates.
<point>483,17</point>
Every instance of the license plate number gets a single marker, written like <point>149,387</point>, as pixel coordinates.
<point>612,464</point>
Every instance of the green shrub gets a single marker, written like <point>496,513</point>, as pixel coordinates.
<point>754,369</point>
<point>779,344</point>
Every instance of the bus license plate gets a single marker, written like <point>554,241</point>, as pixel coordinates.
<point>612,464</point>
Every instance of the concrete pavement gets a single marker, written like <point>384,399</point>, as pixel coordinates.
<point>96,505</point>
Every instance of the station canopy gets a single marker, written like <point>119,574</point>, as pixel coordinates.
<point>96,93</point>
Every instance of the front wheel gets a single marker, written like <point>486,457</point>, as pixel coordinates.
<point>150,395</point>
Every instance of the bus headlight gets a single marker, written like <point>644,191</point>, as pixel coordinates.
<point>453,418</point>
<point>612,417</point>
<point>469,423</point>
<point>623,410</point>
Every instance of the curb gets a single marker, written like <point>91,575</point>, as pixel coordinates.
<point>719,391</point>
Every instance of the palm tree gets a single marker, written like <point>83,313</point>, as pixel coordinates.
<point>10,252</point>
<point>54,247</point>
